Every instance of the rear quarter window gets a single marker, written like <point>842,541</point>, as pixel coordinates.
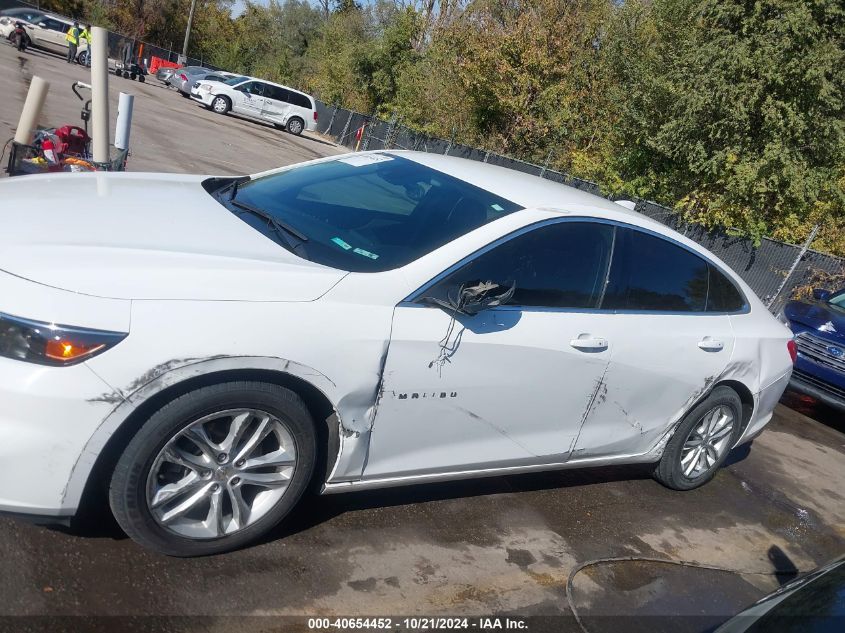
<point>299,100</point>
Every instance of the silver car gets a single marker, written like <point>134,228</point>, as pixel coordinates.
<point>184,85</point>
<point>182,75</point>
<point>164,74</point>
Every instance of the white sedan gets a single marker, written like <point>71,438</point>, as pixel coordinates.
<point>196,351</point>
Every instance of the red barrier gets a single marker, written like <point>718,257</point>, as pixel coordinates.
<point>159,62</point>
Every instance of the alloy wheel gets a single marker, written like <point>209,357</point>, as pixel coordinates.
<point>707,442</point>
<point>295,126</point>
<point>220,105</point>
<point>221,473</point>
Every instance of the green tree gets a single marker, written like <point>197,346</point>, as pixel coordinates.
<point>735,110</point>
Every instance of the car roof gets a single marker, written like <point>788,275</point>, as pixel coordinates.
<point>273,83</point>
<point>526,190</point>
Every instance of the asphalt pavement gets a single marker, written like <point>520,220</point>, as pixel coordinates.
<point>506,545</point>
<point>169,133</point>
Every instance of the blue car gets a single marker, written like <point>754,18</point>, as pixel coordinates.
<point>819,328</point>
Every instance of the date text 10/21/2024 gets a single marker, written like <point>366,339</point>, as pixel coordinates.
<point>417,623</point>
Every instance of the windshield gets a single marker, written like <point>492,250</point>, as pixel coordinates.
<point>364,213</point>
<point>838,299</point>
<point>235,80</point>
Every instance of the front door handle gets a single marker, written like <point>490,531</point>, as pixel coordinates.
<point>709,344</point>
<point>588,343</point>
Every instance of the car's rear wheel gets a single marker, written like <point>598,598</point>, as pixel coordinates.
<point>214,469</point>
<point>221,105</point>
<point>702,441</point>
<point>295,126</point>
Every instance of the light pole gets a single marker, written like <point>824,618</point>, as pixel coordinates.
<point>183,59</point>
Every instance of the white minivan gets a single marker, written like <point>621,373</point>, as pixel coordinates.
<point>280,105</point>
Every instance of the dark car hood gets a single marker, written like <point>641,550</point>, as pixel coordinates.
<point>820,316</point>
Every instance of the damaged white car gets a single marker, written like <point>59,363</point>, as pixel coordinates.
<point>197,351</point>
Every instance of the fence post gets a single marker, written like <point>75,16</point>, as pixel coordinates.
<point>451,140</point>
<point>792,268</point>
<point>331,120</point>
<point>342,136</point>
<point>546,164</point>
<point>388,135</point>
<point>368,132</point>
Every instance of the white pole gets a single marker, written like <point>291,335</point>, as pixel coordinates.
<point>31,110</point>
<point>124,120</point>
<point>100,93</point>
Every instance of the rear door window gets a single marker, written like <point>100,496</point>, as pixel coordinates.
<point>55,25</point>
<point>722,294</point>
<point>300,100</point>
<point>276,93</point>
<point>651,273</point>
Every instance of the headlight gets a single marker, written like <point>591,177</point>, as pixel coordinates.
<point>51,344</point>
<point>4,20</point>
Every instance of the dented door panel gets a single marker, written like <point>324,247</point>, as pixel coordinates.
<point>502,388</point>
<point>656,372</point>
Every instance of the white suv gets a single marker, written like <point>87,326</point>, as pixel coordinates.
<point>282,106</point>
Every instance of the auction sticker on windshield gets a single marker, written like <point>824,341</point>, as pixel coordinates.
<point>361,160</point>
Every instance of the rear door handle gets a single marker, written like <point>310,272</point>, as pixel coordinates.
<point>709,344</point>
<point>588,343</point>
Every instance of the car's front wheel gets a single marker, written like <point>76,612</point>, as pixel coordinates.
<point>221,105</point>
<point>214,469</point>
<point>702,441</point>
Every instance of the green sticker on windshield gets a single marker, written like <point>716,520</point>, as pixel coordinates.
<point>341,243</point>
<point>361,251</point>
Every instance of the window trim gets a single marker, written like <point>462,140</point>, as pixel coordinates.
<point>413,299</point>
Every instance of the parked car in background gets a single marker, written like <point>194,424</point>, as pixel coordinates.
<point>360,321</point>
<point>50,32</point>
<point>184,82</point>
<point>819,327</point>
<point>280,105</point>
<point>174,77</point>
<point>164,74</point>
<point>9,17</point>
<point>812,603</point>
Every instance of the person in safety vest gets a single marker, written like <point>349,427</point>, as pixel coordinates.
<point>72,38</point>
<point>86,36</point>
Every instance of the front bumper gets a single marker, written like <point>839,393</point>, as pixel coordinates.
<point>203,97</point>
<point>47,416</point>
<point>808,384</point>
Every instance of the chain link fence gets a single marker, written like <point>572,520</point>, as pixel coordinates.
<point>774,270</point>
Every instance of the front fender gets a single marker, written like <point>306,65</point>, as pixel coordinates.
<point>126,400</point>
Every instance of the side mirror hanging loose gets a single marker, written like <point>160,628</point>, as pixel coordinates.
<point>470,300</point>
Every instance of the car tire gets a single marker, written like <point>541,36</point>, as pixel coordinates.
<point>185,95</point>
<point>221,104</point>
<point>145,491</point>
<point>702,441</point>
<point>142,78</point>
<point>295,125</point>
<point>82,58</point>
